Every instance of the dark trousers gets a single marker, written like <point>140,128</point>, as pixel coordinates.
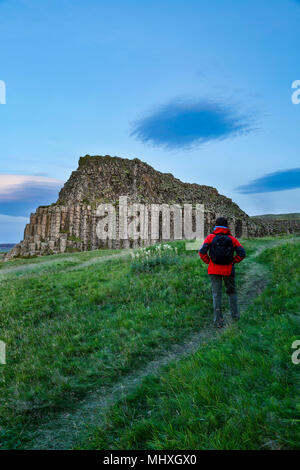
<point>216,284</point>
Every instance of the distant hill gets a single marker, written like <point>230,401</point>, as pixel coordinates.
<point>4,247</point>
<point>292,216</point>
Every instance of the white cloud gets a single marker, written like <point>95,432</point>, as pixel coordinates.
<point>10,185</point>
<point>22,194</point>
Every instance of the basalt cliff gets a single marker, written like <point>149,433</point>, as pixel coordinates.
<point>70,223</point>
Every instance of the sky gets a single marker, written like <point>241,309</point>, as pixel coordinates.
<point>207,91</point>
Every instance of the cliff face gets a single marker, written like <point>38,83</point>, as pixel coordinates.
<point>103,179</point>
<point>263,227</point>
<point>70,223</point>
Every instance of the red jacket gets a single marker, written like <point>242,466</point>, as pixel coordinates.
<point>223,270</point>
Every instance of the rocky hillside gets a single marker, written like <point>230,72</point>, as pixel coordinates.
<point>103,179</point>
<point>70,223</point>
<point>291,216</point>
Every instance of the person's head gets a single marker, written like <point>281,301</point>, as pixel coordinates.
<point>221,222</point>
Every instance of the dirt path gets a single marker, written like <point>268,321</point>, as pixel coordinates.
<point>99,259</point>
<point>63,431</point>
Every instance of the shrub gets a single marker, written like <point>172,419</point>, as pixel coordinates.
<point>147,259</point>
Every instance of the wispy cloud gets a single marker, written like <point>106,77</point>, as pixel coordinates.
<point>183,124</point>
<point>278,181</point>
<point>21,194</point>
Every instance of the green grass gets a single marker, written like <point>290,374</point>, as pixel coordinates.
<point>69,332</point>
<point>72,329</point>
<point>241,392</point>
<point>291,216</point>
<point>77,257</point>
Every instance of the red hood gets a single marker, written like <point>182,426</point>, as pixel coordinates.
<point>226,231</point>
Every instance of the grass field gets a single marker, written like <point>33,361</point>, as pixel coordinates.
<point>291,216</point>
<point>76,325</point>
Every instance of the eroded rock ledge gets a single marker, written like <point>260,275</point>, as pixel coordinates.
<point>70,223</point>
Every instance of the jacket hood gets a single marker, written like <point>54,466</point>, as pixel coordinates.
<point>224,230</point>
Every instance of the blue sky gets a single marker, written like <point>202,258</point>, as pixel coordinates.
<point>198,89</point>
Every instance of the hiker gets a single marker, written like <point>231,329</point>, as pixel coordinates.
<point>221,246</point>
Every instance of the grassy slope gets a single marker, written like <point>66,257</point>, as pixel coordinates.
<point>240,393</point>
<point>69,332</point>
<point>76,258</point>
<point>291,216</point>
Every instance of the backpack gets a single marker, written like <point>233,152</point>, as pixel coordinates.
<point>221,249</point>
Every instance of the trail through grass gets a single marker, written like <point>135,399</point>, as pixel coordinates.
<point>64,430</point>
<point>74,328</point>
<point>241,392</point>
<point>110,329</point>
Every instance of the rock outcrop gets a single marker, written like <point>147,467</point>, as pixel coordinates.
<point>269,227</point>
<point>70,223</point>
